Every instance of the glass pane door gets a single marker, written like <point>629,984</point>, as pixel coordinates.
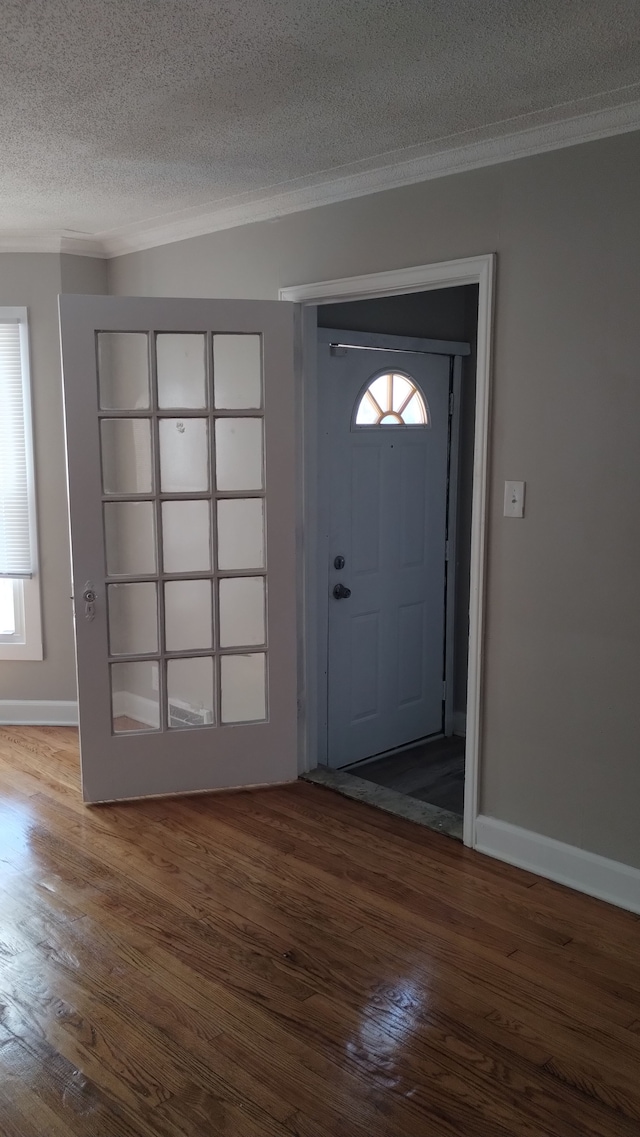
<point>181,436</point>
<point>190,590</point>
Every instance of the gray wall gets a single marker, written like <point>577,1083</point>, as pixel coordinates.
<point>34,280</point>
<point>446,313</point>
<point>83,274</point>
<point>561,739</point>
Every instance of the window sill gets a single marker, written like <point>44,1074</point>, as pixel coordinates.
<point>27,651</point>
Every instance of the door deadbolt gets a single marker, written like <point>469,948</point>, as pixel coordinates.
<point>339,563</point>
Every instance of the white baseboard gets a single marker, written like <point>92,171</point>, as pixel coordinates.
<point>586,872</point>
<point>136,707</point>
<point>460,723</point>
<point>38,712</point>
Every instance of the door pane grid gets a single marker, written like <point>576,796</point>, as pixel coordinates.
<point>166,678</point>
<point>162,676</point>
<point>185,495</point>
<point>144,578</point>
<point>181,412</point>
<point>214,538</point>
<point>187,653</point>
<point>127,497</point>
<point>213,522</point>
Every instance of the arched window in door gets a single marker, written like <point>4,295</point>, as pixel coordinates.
<point>391,399</point>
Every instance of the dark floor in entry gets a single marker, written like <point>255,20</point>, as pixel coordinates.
<point>431,771</point>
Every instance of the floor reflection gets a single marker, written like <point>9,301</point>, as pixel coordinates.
<point>16,823</point>
<point>389,1021</point>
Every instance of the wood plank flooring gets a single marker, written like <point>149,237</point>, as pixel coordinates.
<point>431,772</point>
<point>288,963</point>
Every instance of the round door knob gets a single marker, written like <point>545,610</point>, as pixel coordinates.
<point>341,593</point>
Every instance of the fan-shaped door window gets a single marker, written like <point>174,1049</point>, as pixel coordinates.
<point>391,399</point>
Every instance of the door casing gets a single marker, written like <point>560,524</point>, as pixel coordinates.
<point>478,270</point>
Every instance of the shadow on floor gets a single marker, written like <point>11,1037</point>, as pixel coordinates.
<point>424,784</point>
<point>431,772</point>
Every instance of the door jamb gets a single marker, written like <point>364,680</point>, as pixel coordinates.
<point>478,270</point>
<point>451,552</point>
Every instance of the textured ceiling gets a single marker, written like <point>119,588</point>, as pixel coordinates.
<point>116,112</point>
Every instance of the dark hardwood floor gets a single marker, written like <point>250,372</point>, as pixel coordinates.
<point>431,771</point>
<point>288,962</point>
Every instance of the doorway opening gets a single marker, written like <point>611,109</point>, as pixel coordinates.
<point>396,403</point>
<point>433,767</point>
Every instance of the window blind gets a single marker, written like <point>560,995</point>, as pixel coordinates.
<point>16,546</point>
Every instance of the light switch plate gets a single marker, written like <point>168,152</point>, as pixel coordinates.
<point>514,499</point>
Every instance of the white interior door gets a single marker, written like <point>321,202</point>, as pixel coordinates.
<point>385,430</point>
<point>181,463</point>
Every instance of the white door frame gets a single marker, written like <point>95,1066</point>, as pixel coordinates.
<point>478,270</point>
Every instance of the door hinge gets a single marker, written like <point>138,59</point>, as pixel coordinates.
<point>444,690</point>
<point>451,401</point>
<point>446,550</point>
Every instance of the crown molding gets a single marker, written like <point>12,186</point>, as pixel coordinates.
<point>438,159</point>
<point>84,246</point>
<point>424,166</point>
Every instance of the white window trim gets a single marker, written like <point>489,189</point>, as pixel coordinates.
<point>26,644</point>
